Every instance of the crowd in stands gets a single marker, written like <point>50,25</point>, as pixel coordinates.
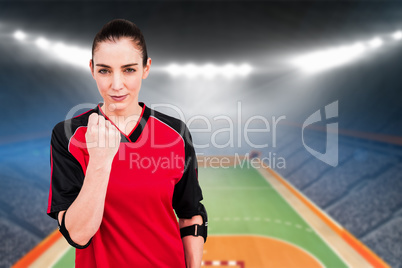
<point>362,193</point>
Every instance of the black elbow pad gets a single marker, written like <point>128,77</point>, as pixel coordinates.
<point>196,229</point>
<point>64,232</point>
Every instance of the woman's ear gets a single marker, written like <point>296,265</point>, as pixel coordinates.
<point>91,67</point>
<point>147,68</point>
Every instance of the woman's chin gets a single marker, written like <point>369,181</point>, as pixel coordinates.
<point>112,107</point>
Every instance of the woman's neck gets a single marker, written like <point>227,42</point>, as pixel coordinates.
<point>124,119</point>
<point>110,110</point>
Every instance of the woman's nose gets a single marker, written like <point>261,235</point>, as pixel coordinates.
<point>117,83</point>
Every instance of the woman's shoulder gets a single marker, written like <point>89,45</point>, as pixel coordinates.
<point>177,124</point>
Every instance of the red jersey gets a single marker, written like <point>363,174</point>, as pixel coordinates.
<point>153,175</point>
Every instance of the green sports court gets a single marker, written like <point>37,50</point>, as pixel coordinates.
<point>256,219</point>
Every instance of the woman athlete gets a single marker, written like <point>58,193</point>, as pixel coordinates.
<point>122,172</point>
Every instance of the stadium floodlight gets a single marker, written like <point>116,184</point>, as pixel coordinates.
<point>245,69</point>
<point>328,58</point>
<point>397,35</point>
<point>80,57</point>
<point>208,70</point>
<point>191,70</point>
<point>19,35</point>
<point>375,42</point>
<point>42,43</point>
<point>72,54</point>
<point>229,70</point>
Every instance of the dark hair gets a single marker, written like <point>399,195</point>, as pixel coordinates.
<point>118,28</point>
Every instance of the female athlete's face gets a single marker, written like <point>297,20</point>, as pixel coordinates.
<point>118,72</point>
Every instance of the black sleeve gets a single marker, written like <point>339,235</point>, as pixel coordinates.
<point>187,192</point>
<point>67,175</point>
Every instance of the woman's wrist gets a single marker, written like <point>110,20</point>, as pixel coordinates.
<point>103,165</point>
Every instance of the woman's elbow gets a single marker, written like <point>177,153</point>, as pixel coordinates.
<point>80,239</point>
<point>197,219</point>
<point>76,236</point>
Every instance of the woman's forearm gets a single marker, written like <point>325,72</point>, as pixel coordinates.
<point>85,214</point>
<point>193,245</point>
<point>193,250</point>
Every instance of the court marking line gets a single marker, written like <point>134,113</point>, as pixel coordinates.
<point>60,256</point>
<point>350,239</point>
<point>236,188</point>
<point>53,254</point>
<point>363,251</point>
<point>38,250</point>
<point>278,221</point>
<point>273,238</point>
<point>258,219</point>
<point>306,222</point>
<point>239,235</point>
<point>223,263</point>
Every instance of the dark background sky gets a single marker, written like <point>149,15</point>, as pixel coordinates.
<point>214,30</point>
<point>265,34</point>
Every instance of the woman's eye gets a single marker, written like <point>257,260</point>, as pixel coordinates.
<point>130,70</point>
<point>103,71</point>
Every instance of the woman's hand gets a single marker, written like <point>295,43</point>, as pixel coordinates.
<point>102,138</point>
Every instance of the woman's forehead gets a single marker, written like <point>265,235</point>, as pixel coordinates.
<point>117,50</point>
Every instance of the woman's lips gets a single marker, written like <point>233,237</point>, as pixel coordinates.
<point>119,98</point>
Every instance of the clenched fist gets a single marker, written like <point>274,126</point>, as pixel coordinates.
<point>102,138</point>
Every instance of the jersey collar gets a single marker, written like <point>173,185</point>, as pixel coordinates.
<point>139,127</point>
